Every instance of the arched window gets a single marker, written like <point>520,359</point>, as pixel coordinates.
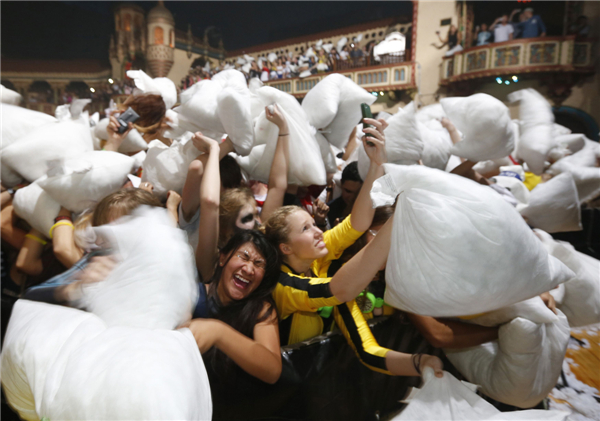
<point>158,35</point>
<point>171,39</point>
<point>127,23</point>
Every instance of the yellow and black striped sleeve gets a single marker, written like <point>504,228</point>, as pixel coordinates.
<point>351,322</point>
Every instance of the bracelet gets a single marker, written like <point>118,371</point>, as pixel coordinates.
<point>286,134</point>
<point>36,238</point>
<point>60,223</point>
<point>416,360</point>
<point>62,218</point>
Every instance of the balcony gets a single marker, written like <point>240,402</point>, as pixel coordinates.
<point>392,74</point>
<point>549,55</point>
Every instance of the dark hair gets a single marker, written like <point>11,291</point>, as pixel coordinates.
<point>243,315</point>
<point>120,203</point>
<point>231,174</point>
<point>150,108</point>
<point>350,173</point>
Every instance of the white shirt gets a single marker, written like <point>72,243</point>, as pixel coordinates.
<point>501,32</point>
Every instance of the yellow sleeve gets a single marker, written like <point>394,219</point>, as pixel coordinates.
<point>295,293</point>
<point>339,238</point>
<point>353,325</point>
<point>531,180</point>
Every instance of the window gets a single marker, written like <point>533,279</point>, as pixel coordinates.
<point>171,39</point>
<point>158,36</point>
<point>127,23</point>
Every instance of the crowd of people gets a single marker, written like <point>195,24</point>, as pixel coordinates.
<point>274,260</point>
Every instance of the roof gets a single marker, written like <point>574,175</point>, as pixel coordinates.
<point>315,36</point>
<point>54,66</point>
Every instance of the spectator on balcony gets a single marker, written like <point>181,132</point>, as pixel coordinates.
<point>503,31</point>
<point>482,35</point>
<point>356,54</point>
<point>344,53</point>
<point>333,54</point>
<point>453,40</point>
<point>534,25</point>
<point>254,70</point>
<point>580,27</point>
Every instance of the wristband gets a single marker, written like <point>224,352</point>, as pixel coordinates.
<point>60,223</point>
<point>36,238</point>
<point>416,360</point>
<point>62,218</point>
<point>286,134</point>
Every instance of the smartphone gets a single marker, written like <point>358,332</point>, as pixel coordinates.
<point>127,117</point>
<point>366,113</point>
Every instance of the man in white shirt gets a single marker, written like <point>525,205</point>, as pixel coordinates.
<point>503,31</point>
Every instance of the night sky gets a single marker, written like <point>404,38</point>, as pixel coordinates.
<point>62,30</point>
<point>80,29</point>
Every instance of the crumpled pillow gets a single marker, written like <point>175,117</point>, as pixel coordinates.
<point>333,105</point>
<point>574,142</point>
<point>37,207</point>
<point>160,86</point>
<point>436,147</point>
<point>485,123</point>
<point>8,96</point>
<point>491,166</point>
<point>535,140</point>
<point>18,121</point>
<point>578,297</point>
<point>457,247</point>
<point>32,155</point>
<point>234,112</point>
<point>48,347</point>
<point>80,182</point>
<point>133,142</point>
<point>166,167</point>
<point>554,205</point>
<point>522,366</point>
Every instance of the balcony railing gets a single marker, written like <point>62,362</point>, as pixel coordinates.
<point>392,76</point>
<point>518,56</point>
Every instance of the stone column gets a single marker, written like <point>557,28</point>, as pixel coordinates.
<point>58,89</point>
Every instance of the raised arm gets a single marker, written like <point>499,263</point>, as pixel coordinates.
<point>259,357</point>
<point>210,192</point>
<point>280,166</point>
<point>63,240</point>
<point>114,137</point>
<point>28,260</point>
<point>362,210</point>
<point>444,333</point>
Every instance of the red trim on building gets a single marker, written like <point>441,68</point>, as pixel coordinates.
<point>54,66</point>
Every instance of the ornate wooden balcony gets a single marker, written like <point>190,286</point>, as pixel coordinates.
<point>549,56</point>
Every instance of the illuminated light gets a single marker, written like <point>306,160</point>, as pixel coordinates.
<point>374,93</point>
<point>515,79</point>
<point>507,82</point>
<point>92,89</point>
<point>110,80</point>
<point>499,80</point>
<point>380,92</point>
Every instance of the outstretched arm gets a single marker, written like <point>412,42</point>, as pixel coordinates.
<point>210,192</point>
<point>443,333</point>
<point>280,166</point>
<point>362,211</point>
<point>63,242</point>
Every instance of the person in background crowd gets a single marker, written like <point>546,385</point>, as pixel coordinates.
<point>453,40</point>
<point>503,31</point>
<point>580,27</point>
<point>482,35</point>
<point>344,53</point>
<point>351,185</point>
<point>532,27</point>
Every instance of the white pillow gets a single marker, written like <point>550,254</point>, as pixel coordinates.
<point>36,206</point>
<point>81,182</point>
<point>18,121</point>
<point>536,140</point>
<point>532,309</point>
<point>486,126</point>
<point>343,96</point>
<point>574,142</point>
<point>436,147</point>
<point>491,166</point>
<point>522,366</point>
<point>133,142</point>
<point>579,296</point>
<point>48,347</point>
<point>554,205</point>
<point>585,157</point>
<point>8,96</point>
<point>232,79</point>
<point>199,111</point>
<point>166,166</point>
<point>558,130</point>
<point>155,284</point>
<point>159,86</point>
<point>235,114</point>
<point>31,156</point>
<point>431,116</point>
<point>457,247</point>
<point>587,179</point>
<point>326,154</point>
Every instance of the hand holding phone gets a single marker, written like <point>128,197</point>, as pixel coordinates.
<point>127,117</point>
<point>366,113</point>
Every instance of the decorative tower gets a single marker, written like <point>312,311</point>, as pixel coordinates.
<point>128,43</point>
<point>160,49</point>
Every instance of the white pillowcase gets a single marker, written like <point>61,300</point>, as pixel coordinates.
<point>81,182</point>
<point>436,147</point>
<point>18,121</point>
<point>32,155</point>
<point>159,86</point>
<point>36,206</point>
<point>536,139</point>
<point>133,142</point>
<point>8,96</point>
<point>457,247</point>
<point>486,126</point>
<point>554,205</point>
